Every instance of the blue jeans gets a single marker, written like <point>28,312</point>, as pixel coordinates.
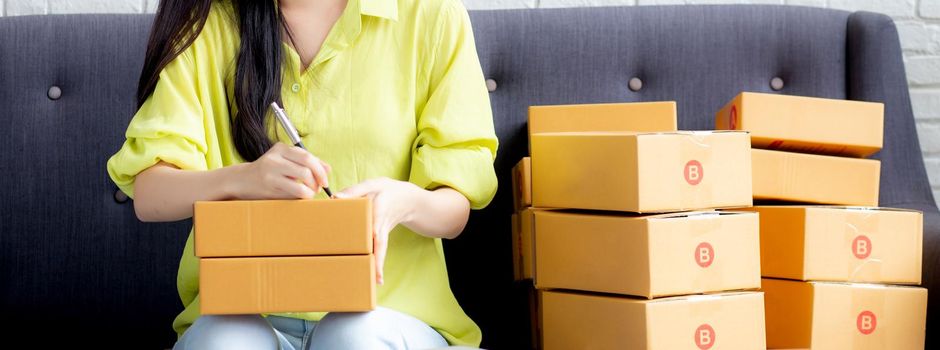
<point>379,329</point>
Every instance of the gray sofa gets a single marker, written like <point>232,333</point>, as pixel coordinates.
<point>77,267</point>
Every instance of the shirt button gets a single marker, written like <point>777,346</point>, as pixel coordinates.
<point>295,87</point>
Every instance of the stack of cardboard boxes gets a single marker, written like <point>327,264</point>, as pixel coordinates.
<point>631,256</point>
<point>831,269</point>
<point>277,256</point>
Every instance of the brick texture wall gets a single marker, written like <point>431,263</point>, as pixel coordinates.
<point>918,23</point>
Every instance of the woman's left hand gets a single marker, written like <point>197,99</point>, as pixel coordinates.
<point>392,204</point>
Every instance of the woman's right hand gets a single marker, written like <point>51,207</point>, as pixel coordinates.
<point>283,172</point>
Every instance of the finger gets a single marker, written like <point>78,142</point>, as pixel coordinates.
<point>379,248</point>
<point>362,189</point>
<point>321,175</point>
<point>328,168</point>
<point>301,156</point>
<point>297,172</point>
<point>291,189</point>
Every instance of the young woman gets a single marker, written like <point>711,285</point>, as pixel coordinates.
<point>389,97</point>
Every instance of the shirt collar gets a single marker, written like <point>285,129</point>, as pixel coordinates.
<point>387,9</point>
<point>349,24</point>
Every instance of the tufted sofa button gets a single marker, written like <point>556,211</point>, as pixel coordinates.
<point>776,84</point>
<point>120,197</point>
<point>490,85</point>
<point>635,84</point>
<point>54,93</point>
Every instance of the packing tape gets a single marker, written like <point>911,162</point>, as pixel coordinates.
<point>704,306</point>
<point>695,158</point>
<point>867,309</point>
<point>702,311</point>
<point>706,227</point>
<point>860,222</point>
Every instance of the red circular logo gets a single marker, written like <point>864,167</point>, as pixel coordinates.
<point>861,247</point>
<point>704,254</point>
<point>733,118</point>
<point>866,322</point>
<point>694,172</point>
<point>705,337</point>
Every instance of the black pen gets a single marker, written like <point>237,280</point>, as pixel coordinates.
<point>292,134</point>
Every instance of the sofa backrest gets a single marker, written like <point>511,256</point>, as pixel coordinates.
<point>73,254</point>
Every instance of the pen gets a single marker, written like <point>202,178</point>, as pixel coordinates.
<point>292,133</point>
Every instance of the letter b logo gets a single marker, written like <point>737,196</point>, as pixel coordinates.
<point>704,254</point>
<point>861,247</point>
<point>693,172</point>
<point>866,322</point>
<point>705,337</point>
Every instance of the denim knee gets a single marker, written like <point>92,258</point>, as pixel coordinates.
<point>229,332</point>
<point>378,329</point>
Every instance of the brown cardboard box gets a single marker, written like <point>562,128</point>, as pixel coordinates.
<point>641,172</point>
<point>878,245</point>
<point>522,184</point>
<point>637,116</point>
<point>283,227</point>
<point>822,316</point>
<point>286,284</point>
<point>524,244</point>
<point>806,124</point>
<point>725,321</point>
<point>647,256</point>
<point>809,178</point>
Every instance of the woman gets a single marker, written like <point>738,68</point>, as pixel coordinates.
<point>389,96</point>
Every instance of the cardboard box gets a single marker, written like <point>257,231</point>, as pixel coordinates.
<point>637,116</point>
<point>524,244</point>
<point>522,184</point>
<point>877,245</point>
<point>725,321</point>
<point>641,172</point>
<point>821,316</point>
<point>647,256</point>
<point>286,284</point>
<point>806,124</point>
<point>809,178</point>
<point>283,227</point>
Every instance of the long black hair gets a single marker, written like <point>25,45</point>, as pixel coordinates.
<point>258,76</point>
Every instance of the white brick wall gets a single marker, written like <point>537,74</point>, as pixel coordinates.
<point>918,25</point>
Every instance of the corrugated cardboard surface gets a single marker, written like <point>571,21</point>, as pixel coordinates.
<point>641,172</point>
<point>808,178</point>
<point>638,116</point>
<point>826,316</point>
<point>806,124</point>
<point>648,256</point>
<point>586,321</point>
<point>876,245</point>
<point>522,184</point>
<point>283,227</point>
<point>286,284</point>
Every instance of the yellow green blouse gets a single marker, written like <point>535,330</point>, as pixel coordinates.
<point>396,91</point>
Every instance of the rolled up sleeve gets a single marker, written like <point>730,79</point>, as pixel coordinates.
<point>456,142</point>
<point>168,127</point>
